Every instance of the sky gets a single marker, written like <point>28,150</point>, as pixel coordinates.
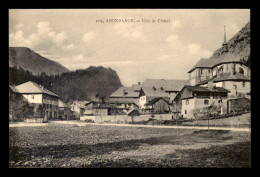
<point>141,44</point>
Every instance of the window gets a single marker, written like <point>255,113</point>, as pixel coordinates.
<point>187,102</point>
<point>185,111</point>
<point>234,86</point>
<point>227,67</point>
<point>200,71</point>
<point>244,84</point>
<point>32,96</point>
<point>206,102</point>
<point>241,70</point>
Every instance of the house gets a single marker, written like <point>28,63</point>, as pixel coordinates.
<point>101,110</point>
<point>64,111</point>
<point>171,87</point>
<point>156,88</point>
<point>228,71</point>
<point>97,108</point>
<point>78,108</point>
<point>17,104</point>
<point>125,98</point>
<point>44,102</point>
<point>193,98</point>
<point>160,105</point>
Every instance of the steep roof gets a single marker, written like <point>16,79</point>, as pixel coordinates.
<point>32,87</point>
<point>228,76</point>
<point>167,85</point>
<point>205,89</point>
<point>151,92</point>
<point>227,58</point>
<point>209,63</point>
<point>201,89</point>
<point>151,102</point>
<point>204,63</point>
<point>13,89</point>
<point>61,104</point>
<point>129,92</point>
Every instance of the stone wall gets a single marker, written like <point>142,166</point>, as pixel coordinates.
<point>125,118</point>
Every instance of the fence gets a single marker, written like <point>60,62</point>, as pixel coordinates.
<point>126,118</point>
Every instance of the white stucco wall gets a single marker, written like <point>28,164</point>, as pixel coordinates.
<point>189,108</point>
<point>33,98</point>
<point>195,103</point>
<point>229,86</point>
<point>142,101</point>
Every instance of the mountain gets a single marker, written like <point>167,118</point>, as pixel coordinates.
<point>239,44</point>
<point>87,84</point>
<point>29,60</point>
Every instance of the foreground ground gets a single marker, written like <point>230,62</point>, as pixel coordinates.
<point>59,145</point>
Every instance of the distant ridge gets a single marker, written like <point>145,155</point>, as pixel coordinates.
<point>29,60</point>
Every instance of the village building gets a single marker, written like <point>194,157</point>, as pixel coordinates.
<point>227,71</point>
<point>40,98</point>
<point>78,108</point>
<point>97,108</point>
<point>160,105</point>
<point>194,98</point>
<point>125,98</point>
<point>16,104</point>
<point>65,112</point>
<point>155,88</point>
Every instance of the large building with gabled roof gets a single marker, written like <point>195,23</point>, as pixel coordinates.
<point>38,96</point>
<point>228,71</point>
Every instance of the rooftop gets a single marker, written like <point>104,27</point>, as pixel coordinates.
<point>209,63</point>
<point>166,85</point>
<point>129,92</point>
<point>204,63</point>
<point>151,102</point>
<point>32,87</point>
<point>61,104</point>
<point>13,89</point>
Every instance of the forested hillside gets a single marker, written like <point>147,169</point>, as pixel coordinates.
<point>87,84</point>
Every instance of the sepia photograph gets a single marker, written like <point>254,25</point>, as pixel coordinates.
<point>129,88</point>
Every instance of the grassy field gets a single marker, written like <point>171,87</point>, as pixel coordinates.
<point>58,145</point>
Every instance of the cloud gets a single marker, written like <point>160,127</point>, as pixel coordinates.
<point>89,36</point>
<point>176,24</point>
<point>70,46</point>
<point>44,28</point>
<point>129,31</point>
<point>60,38</point>
<point>45,38</point>
<point>17,39</point>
